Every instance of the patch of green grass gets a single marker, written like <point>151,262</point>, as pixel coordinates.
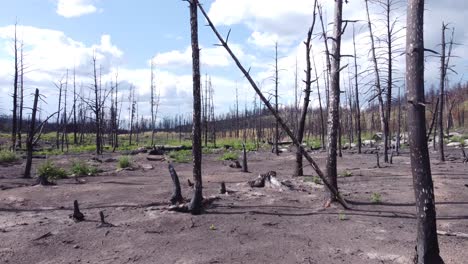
<point>80,168</point>
<point>342,216</point>
<point>376,197</point>
<point>231,155</point>
<point>7,156</point>
<point>52,172</point>
<point>124,162</point>
<point>346,174</point>
<point>181,156</point>
<point>314,143</point>
<point>207,150</point>
<point>314,179</point>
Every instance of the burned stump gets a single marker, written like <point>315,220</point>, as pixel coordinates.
<point>177,194</point>
<point>77,216</point>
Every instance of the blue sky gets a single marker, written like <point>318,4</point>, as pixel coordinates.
<point>126,35</point>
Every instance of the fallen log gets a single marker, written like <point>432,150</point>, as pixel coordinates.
<point>455,234</point>
<point>161,150</point>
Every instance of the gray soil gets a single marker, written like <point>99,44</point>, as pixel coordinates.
<point>260,225</point>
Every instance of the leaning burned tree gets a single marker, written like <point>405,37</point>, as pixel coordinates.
<point>196,203</point>
<point>427,249</point>
<point>278,118</point>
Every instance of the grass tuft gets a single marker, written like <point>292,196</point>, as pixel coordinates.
<point>376,197</point>
<point>7,156</point>
<point>80,168</point>
<point>181,156</point>
<point>124,162</point>
<point>50,171</point>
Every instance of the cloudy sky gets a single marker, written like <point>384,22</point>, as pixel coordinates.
<point>125,36</point>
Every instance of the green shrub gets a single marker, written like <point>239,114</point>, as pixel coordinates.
<point>346,174</point>
<point>7,156</point>
<point>317,180</point>
<point>80,168</point>
<point>229,156</point>
<point>376,197</point>
<point>124,162</point>
<point>181,156</point>
<point>50,171</point>
<point>342,216</point>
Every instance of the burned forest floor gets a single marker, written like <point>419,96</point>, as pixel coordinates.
<point>285,224</point>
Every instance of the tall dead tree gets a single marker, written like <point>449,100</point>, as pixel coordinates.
<point>427,249</point>
<point>30,140</point>
<point>154,104</point>
<point>57,135</point>
<point>196,203</point>
<point>308,82</point>
<point>75,100</point>
<point>378,87</point>
<point>15,95</point>
<point>21,95</point>
<point>356,94</point>
<point>334,107</point>
<point>276,100</point>
<point>34,134</point>
<point>443,73</point>
<point>97,108</point>
<point>322,121</point>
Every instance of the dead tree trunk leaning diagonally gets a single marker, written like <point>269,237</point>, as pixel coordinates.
<point>285,127</point>
<point>308,81</point>
<point>427,249</point>
<point>333,109</point>
<point>196,203</point>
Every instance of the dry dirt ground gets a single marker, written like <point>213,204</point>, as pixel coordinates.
<point>262,225</point>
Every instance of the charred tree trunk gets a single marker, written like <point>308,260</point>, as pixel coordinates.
<point>176,194</point>
<point>276,100</point>
<point>398,140</point>
<point>356,90</point>
<point>427,249</point>
<point>245,168</point>
<point>379,91</point>
<point>30,140</point>
<point>196,203</point>
<point>308,81</point>
<point>21,97</point>
<point>97,108</point>
<point>334,107</point>
<point>441,96</point>
<point>15,97</point>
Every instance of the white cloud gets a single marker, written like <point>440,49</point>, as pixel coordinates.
<point>75,8</point>
<point>211,57</point>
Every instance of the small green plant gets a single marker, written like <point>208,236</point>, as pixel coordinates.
<point>7,156</point>
<point>80,168</point>
<point>346,174</point>
<point>376,197</point>
<point>342,216</point>
<point>50,171</point>
<point>229,156</point>
<point>317,180</point>
<point>212,227</point>
<point>181,156</point>
<point>124,162</point>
